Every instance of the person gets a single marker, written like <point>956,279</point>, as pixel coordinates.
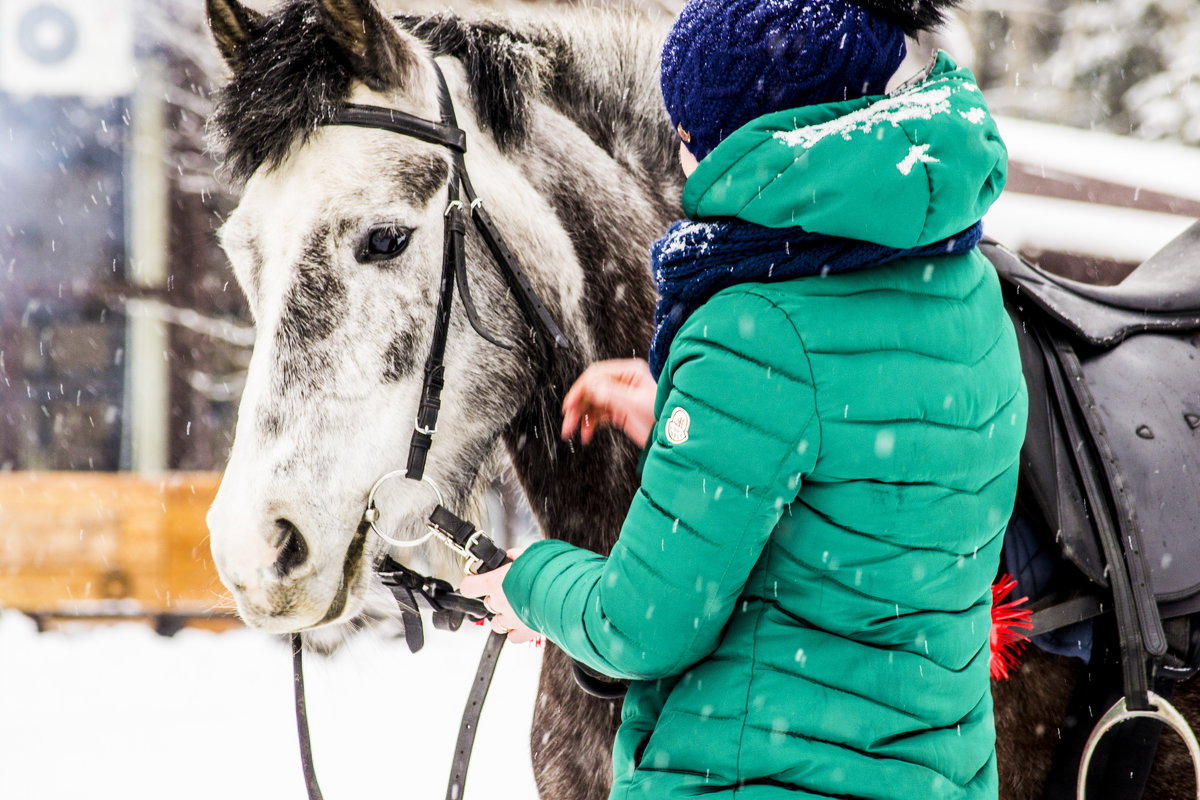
<point>832,414</point>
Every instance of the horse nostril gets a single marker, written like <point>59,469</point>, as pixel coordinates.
<point>293,551</point>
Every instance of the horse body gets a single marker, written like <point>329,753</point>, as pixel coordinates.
<point>337,244</point>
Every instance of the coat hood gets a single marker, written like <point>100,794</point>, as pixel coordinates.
<point>901,170</point>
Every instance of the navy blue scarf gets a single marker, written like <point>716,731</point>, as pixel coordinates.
<point>695,260</point>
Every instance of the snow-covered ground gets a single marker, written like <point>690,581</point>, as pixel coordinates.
<point>118,712</point>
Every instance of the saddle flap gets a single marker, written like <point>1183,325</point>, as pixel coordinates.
<point>1138,434</point>
<point>1091,320</point>
<point>1147,394</point>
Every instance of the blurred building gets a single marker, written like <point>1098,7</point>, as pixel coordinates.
<point>62,203</point>
<point>63,207</point>
<point>118,329</point>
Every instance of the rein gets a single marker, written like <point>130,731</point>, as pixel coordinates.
<point>411,589</point>
<point>449,610</point>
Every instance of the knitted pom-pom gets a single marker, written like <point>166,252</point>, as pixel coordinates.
<point>911,15</point>
<point>1005,639</point>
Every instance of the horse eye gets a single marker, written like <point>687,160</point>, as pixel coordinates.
<point>383,244</point>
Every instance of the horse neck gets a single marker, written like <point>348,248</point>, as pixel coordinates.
<point>612,210</point>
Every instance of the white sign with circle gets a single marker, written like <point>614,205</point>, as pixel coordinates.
<point>67,47</point>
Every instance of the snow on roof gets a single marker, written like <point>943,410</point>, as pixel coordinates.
<point>1165,167</point>
<point>1029,222</point>
<point>1025,221</point>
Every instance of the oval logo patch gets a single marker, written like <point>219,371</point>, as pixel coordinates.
<point>678,425</point>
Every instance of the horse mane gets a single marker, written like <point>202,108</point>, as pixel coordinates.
<point>592,66</point>
<point>293,77</point>
<point>596,67</point>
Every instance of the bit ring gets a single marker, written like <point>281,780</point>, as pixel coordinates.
<point>371,513</point>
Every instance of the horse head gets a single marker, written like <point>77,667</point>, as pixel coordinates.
<point>338,245</point>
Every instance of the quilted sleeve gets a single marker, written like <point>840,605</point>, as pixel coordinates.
<point>737,430</point>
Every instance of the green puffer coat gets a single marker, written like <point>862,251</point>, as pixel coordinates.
<point>800,593</point>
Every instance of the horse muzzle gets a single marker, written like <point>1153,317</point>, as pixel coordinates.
<point>284,579</point>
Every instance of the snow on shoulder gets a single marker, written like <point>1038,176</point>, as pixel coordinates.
<point>921,102</point>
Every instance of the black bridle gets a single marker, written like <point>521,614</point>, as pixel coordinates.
<point>410,588</point>
<point>454,269</point>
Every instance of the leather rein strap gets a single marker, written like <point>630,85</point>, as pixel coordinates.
<point>449,607</point>
<point>442,598</point>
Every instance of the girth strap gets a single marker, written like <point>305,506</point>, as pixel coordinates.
<point>1125,550</point>
<point>1133,646</point>
<point>1055,611</point>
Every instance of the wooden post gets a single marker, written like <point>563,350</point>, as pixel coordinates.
<point>147,377</point>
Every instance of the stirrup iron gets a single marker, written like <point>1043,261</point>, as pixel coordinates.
<point>1160,710</point>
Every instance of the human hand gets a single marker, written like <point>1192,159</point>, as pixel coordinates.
<point>619,393</point>
<point>490,587</point>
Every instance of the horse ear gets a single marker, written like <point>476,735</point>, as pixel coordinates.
<point>232,25</point>
<point>375,48</point>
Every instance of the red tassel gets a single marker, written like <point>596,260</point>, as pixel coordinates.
<point>1005,639</point>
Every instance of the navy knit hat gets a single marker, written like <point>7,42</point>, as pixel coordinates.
<point>726,62</point>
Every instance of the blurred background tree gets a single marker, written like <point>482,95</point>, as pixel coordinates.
<point>1126,66</point>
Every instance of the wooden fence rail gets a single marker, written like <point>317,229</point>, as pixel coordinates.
<point>90,545</point>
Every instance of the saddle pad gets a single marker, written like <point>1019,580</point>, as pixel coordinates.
<point>1142,370</point>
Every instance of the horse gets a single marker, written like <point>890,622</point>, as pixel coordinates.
<point>336,244</point>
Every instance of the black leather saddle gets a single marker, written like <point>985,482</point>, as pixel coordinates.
<point>1111,464</point>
